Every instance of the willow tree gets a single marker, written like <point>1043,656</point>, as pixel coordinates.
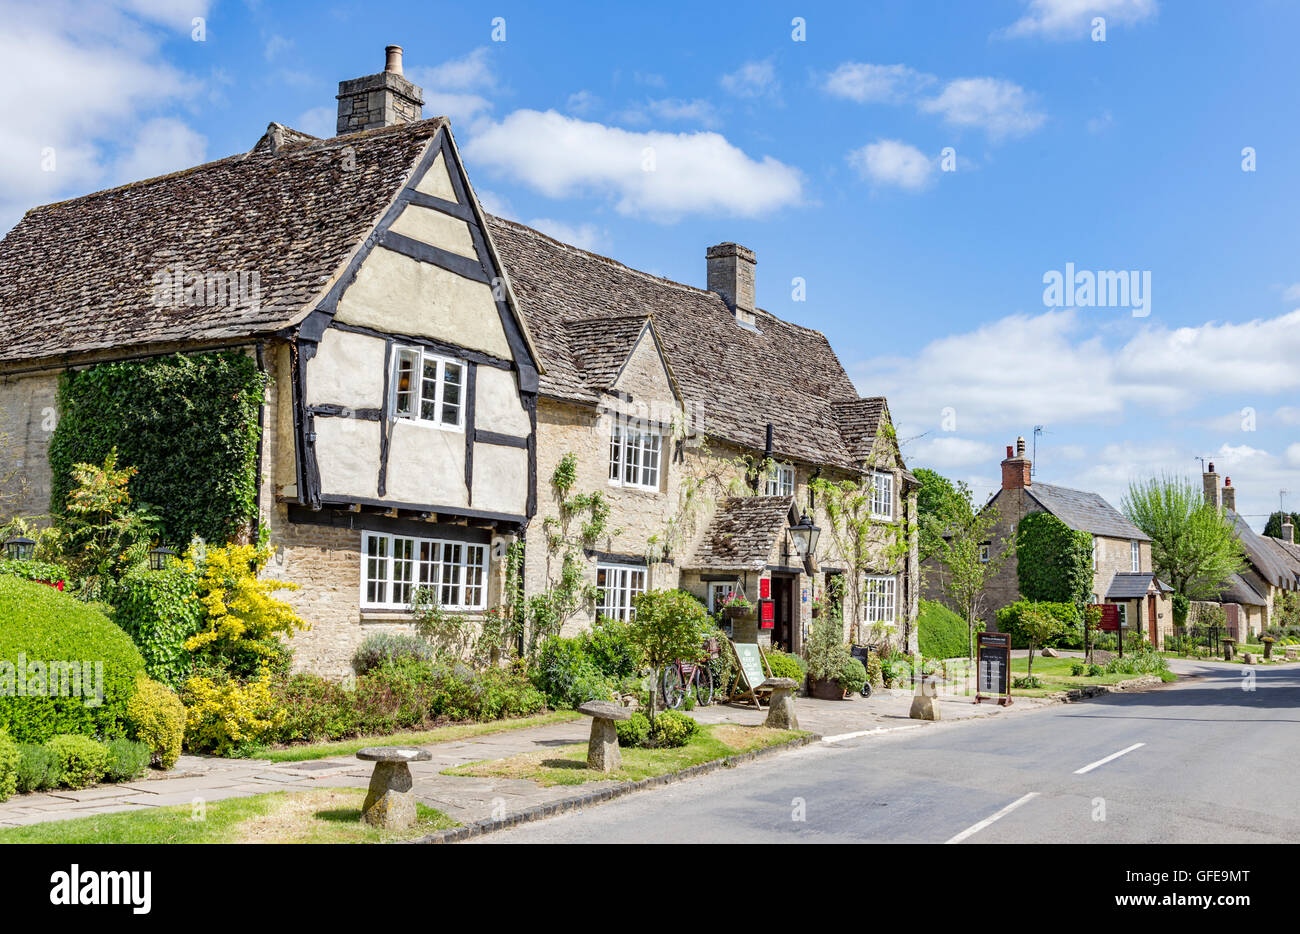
<point>1194,547</point>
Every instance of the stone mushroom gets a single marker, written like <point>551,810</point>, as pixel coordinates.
<point>925,704</point>
<point>602,748</point>
<point>389,802</point>
<point>780,709</point>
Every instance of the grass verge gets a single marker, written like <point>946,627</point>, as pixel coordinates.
<point>568,765</point>
<point>324,815</point>
<point>346,747</point>
<point>1055,675</point>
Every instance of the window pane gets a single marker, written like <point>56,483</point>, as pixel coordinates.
<point>404,384</point>
<point>474,575</point>
<point>429,390</point>
<point>376,569</point>
<point>632,457</point>
<point>403,569</point>
<point>451,381</point>
<point>615,451</point>
<point>650,461</point>
<point>451,557</point>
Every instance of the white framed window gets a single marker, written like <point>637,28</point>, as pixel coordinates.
<point>882,495</point>
<point>719,591</point>
<point>984,552</point>
<point>1135,553</point>
<point>393,567</point>
<point>634,456</point>
<point>616,586</point>
<point>879,596</point>
<point>780,481</point>
<point>428,388</point>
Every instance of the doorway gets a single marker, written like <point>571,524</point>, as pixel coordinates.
<point>1152,625</point>
<point>783,615</point>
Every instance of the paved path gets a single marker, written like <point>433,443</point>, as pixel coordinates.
<point>1201,760</point>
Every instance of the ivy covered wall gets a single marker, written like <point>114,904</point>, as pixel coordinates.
<point>189,422</point>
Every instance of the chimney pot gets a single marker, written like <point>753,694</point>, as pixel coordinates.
<point>393,59</point>
<point>1020,446</point>
<point>1009,455</point>
<point>1229,494</point>
<point>1288,530</point>
<point>1016,471</point>
<point>731,275</point>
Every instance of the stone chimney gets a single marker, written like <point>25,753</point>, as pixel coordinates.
<point>731,275</point>
<point>385,99</point>
<point>1288,529</point>
<point>1016,468</point>
<point>1229,494</point>
<point>1210,481</point>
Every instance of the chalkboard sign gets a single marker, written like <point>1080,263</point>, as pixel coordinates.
<point>751,662</point>
<point>993,672</point>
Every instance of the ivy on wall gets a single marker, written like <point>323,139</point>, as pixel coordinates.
<point>187,422</point>
<point>1055,562</point>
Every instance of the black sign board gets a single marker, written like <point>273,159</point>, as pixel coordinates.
<point>993,667</point>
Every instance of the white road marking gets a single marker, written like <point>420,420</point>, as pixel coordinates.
<point>1113,755</point>
<point>880,729</point>
<point>976,828</point>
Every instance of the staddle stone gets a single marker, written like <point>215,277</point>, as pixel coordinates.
<point>605,710</point>
<point>389,802</point>
<point>780,709</point>
<point>603,753</point>
<point>925,708</point>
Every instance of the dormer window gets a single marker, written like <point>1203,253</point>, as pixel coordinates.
<point>780,481</point>
<point>428,388</point>
<point>882,495</point>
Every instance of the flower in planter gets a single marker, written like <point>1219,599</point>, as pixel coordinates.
<point>736,602</point>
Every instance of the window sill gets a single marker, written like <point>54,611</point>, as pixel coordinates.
<point>427,424</point>
<point>380,615</point>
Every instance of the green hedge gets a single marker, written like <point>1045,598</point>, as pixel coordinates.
<point>1067,613</point>
<point>42,625</point>
<point>941,633</point>
<point>188,422</point>
<point>159,610</point>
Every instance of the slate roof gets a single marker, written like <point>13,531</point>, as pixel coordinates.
<point>742,533</point>
<point>1085,512</point>
<point>1130,585</point>
<point>77,276</point>
<point>738,379</point>
<point>1272,564</point>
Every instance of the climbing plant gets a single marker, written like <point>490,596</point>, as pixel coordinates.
<point>1054,561</point>
<point>187,423</point>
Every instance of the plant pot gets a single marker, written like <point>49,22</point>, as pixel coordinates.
<point>825,689</point>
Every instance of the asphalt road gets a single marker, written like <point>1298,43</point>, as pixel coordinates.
<point>1216,764</point>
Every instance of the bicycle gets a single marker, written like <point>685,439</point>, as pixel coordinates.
<point>681,676</point>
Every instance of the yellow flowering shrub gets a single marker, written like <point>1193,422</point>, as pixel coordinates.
<point>155,716</point>
<point>243,622</point>
<point>225,717</point>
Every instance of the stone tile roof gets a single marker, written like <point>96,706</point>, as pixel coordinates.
<point>78,276</point>
<point>1085,512</point>
<point>739,379</point>
<point>742,533</point>
<point>1130,585</point>
<point>599,348</point>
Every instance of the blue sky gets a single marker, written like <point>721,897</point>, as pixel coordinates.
<point>826,156</point>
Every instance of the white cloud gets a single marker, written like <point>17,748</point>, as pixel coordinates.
<point>696,110</point>
<point>998,107</point>
<point>864,82</point>
<point>319,121</point>
<point>584,236</point>
<point>1072,19</point>
<point>89,72</point>
<point>893,162</point>
<point>946,452</point>
<point>163,145</point>
<point>1293,455</point>
<point>752,79</point>
<point>657,175</point>
<point>457,88</point>
<point>582,102</point>
<point>1291,293</point>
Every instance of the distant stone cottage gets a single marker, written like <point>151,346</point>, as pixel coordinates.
<point>430,366</point>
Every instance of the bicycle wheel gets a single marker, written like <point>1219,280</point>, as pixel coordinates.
<point>673,690</point>
<point>703,686</point>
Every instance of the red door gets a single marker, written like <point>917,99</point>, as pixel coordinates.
<point>1152,623</point>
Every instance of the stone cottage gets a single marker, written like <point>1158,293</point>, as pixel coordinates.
<point>1121,552</point>
<point>436,373</point>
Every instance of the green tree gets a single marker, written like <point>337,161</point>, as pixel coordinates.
<point>104,535</point>
<point>967,550</point>
<point>1273,528</point>
<point>1055,561</point>
<point>668,625</point>
<point>1039,628</point>
<point>938,499</point>
<point>1194,548</point>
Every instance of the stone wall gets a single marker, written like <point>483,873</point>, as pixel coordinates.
<point>28,416</point>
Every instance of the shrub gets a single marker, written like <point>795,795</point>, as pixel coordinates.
<point>80,760</point>
<point>506,692</point>
<point>673,728</point>
<point>315,708</point>
<point>852,675</point>
<point>381,648</point>
<point>566,675</point>
<point>10,758</point>
<point>160,610</point>
<point>45,626</point>
<point>47,572</point>
<point>1029,681</point>
<point>609,646</point>
<point>229,718</point>
<point>874,673</point>
<point>1145,661</point>
<point>1010,621</point>
<point>633,732</point>
<point>127,759</point>
<point>1095,671</point>
<point>156,717</point>
<point>784,665</point>
<point>826,648</point>
<point>37,768</point>
<point>941,633</point>
<point>1078,668</point>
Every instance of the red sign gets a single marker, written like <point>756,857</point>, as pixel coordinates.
<point>765,588</point>
<point>767,613</point>
<point>1109,617</point>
